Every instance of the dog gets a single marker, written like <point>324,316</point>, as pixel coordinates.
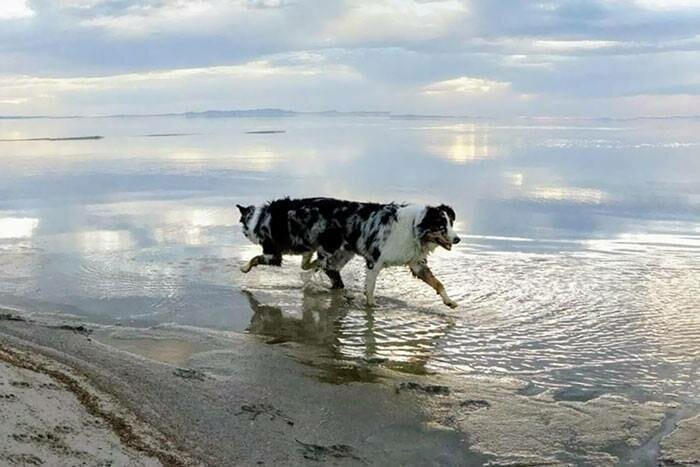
<point>336,230</point>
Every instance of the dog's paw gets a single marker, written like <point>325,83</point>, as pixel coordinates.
<point>246,268</point>
<point>451,303</point>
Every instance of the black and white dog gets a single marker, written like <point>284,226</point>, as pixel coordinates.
<point>336,230</point>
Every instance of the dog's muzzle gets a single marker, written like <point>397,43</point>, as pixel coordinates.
<point>444,242</point>
<point>447,242</point>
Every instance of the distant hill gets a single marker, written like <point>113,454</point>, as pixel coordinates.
<point>252,113</point>
<point>277,113</point>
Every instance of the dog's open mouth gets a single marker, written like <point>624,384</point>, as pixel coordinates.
<point>443,242</point>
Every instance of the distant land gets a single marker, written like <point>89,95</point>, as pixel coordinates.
<point>245,113</point>
<point>62,138</point>
<point>283,113</point>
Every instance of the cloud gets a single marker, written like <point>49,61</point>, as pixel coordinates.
<point>393,20</point>
<point>217,86</point>
<point>156,17</point>
<point>465,85</point>
<point>16,100</point>
<point>251,70</point>
<point>668,5</point>
<point>407,55</point>
<point>551,46</point>
<point>265,4</point>
<point>13,9</point>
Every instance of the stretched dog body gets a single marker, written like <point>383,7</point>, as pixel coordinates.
<point>383,234</point>
<point>299,226</point>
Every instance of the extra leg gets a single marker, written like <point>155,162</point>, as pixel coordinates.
<point>306,262</point>
<point>423,272</point>
<point>266,258</point>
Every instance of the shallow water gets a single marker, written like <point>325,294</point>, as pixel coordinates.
<point>578,271</point>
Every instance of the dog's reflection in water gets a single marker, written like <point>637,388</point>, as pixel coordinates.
<point>328,320</point>
<point>319,322</point>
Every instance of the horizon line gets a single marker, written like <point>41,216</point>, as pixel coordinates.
<point>273,112</point>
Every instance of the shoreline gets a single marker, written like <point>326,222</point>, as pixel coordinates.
<point>225,397</point>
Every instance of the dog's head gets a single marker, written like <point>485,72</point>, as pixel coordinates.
<point>436,226</point>
<point>248,220</point>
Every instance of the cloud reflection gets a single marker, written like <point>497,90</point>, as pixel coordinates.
<point>564,193</point>
<point>469,144</point>
<point>97,241</point>
<point>17,227</point>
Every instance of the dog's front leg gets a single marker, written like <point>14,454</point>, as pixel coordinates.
<point>371,281</point>
<point>266,258</point>
<point>423,272</point>
<point>306,262</point>
<point>254,261</point>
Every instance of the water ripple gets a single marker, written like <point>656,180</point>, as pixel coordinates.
<point>615,322</point>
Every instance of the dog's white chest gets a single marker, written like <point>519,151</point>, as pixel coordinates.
<point>401,245</point>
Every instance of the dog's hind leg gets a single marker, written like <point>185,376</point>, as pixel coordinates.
<point>333,264</point>
<point>265,258</point>
<point>336,280</point>
<point>423,272</point>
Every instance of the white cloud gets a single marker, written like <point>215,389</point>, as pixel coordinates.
<point>140,20</point>
<point>394,19</point>
<point>266,3</point>
<point>307,65</point>
<point>192,17</point>
<point>16,100</point>
<point>667,4</point>
<point>176,89</point>
<point>572,45</point>
<point>465,85</point>
<point>12,9</point>
<point>527,61</point>
<point>81,4</point>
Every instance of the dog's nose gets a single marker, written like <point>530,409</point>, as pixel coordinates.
<point>456,240</point>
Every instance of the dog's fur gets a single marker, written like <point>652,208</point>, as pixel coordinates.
<point>336,230</point>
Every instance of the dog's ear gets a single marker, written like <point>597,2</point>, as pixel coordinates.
<point>244,209</point>
<point>448,210</point>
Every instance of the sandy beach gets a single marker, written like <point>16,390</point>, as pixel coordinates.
<point>180,396</point>
<point>53,415</point>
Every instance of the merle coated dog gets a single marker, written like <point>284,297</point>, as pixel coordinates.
<point>336,230</point>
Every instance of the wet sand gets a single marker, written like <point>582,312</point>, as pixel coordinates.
<point>182,395</point>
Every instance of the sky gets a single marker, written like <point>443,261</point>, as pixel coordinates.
<point>494,58</point>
